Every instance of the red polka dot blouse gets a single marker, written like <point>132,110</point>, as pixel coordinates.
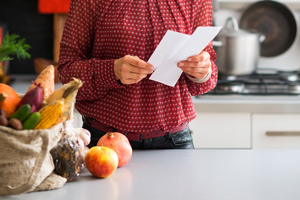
<point>97,32</point>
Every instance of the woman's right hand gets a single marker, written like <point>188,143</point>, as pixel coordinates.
<point>131,69</point>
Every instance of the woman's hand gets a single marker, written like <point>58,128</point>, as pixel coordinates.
<point>196,66</point>
<point>131,69</point>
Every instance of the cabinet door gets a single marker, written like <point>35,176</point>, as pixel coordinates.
<point>222,130</point>
<point>276,131</point>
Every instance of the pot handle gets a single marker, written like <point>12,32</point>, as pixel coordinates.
<point>261,38</point>
<point>234,22</point>
<point>217,43</point>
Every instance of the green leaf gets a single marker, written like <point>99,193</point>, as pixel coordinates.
<point>12,45</point>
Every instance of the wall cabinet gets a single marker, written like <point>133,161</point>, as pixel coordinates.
<point>222,130</point>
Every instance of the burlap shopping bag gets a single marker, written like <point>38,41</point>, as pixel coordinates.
<point>26,164</point>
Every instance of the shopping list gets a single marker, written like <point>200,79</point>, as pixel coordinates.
<point>175,47</point>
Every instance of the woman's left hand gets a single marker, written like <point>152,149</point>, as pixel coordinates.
<point>196,66</point>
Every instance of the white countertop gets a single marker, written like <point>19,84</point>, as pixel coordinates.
<point>21,83</point>
<point>190,174</point>
<point>212,103</point>
<point>247,103</point>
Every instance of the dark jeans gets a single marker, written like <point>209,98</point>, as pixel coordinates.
<point>179,140</point>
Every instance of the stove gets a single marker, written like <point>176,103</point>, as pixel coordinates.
<point>261,82</point>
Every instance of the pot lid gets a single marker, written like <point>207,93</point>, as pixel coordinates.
<point>231,29</point>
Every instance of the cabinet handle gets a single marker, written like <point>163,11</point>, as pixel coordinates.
<point>283,133</point>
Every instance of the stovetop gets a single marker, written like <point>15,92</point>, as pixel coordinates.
<point>261,82</point>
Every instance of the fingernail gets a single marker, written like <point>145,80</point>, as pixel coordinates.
<point>189,59</point>
<point>180,65</point>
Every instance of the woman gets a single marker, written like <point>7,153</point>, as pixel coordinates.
<point>106,44</point>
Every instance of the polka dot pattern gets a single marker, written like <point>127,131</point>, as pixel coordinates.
<point>97,32</point>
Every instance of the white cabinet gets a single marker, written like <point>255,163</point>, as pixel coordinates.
<point>276,131</point>
<point>255,122</point>
<point>221,130</point>
<point>214,130</point>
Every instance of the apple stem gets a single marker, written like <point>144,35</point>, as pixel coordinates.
<point>110,134</point>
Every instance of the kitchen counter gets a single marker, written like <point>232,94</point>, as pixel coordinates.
<point>190,174</point>
<point>247,103</point>
<point>239,5</point>
<point>21,83</point>
<point>212,103</point>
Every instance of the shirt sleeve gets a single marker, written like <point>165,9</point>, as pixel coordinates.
<point>203,17</point>
<point>75,59</point>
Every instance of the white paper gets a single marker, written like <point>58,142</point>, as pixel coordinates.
<point>175,47</point>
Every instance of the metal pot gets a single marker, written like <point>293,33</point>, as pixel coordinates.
<point>237,50</point>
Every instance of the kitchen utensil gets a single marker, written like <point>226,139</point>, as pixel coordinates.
<point>237,50</point>
<point>276,21</point>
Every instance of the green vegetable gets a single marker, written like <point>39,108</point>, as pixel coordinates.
<point>13,45</point>
<point>32,120</point>
<point>22,112</point>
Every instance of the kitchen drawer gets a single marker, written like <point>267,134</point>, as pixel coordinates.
<point>276,131</point>
<point>222,130</point>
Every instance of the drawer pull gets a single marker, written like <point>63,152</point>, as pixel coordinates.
<point>283,133</point>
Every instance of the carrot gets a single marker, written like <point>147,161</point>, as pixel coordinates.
<point>46,79</point>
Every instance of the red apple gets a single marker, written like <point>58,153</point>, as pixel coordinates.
<point>118,142</point>
<point>101,161</point>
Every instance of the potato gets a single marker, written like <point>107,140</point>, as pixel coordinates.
<point>15,123</point>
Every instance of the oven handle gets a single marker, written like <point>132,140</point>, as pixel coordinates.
<point>283,133</point>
